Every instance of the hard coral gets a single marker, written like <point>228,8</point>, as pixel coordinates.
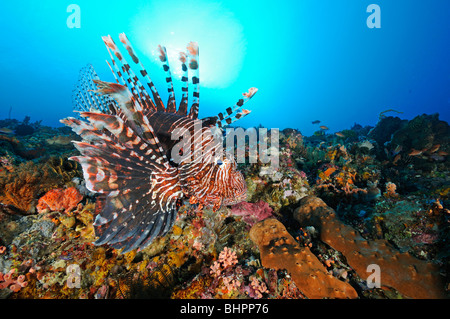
<point>410,276</point>
<point>59,199</point>
<point>279,250</point>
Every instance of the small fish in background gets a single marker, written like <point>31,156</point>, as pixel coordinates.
<point>315,122</point>
<point>5,130</point>
<point>397,150</point>
<point>415,152</point>
<point>434,148</point>
<point>362,213</point>
<point>323,127</point>
<point>59,140</point>
<point>340,134</point>
<point>396,158</point>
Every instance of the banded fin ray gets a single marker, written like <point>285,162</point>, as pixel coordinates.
<point>237,112</point>
<point>193,65</point>
<point>171,103</point>
<point>182,108</point>
<point>129,77</point>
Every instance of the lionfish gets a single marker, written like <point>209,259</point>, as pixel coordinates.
<point>127,142</point>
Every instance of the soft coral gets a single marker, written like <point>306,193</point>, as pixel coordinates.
<point>59,199</point>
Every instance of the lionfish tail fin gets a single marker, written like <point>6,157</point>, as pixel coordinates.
<point>232,114</point>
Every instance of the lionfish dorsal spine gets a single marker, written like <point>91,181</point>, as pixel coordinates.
<point>236,112</point>
<point>193,66</point>
<point>182,108</point>
<point>129,77</point>
<point>171,103</point>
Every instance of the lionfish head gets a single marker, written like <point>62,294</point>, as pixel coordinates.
<point>233,182</point>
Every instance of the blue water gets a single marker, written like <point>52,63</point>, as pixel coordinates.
<point>310,59</point>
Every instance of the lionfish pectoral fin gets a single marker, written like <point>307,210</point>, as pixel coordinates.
<point>122,158</point>
<point>134,218</point>
<point>118,92</point>
<point>141,192</point>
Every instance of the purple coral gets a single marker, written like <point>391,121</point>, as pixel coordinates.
<point>252,212</point>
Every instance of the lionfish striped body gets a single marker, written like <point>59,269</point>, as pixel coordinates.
<point>127,144</point>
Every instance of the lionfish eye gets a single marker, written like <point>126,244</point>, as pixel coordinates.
<point>219,162</point>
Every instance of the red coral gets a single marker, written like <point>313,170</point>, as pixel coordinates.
<point>59,199</point>
<point>252,212</point>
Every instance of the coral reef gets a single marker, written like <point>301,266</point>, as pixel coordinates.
<point>24,184</point>
<point>21,185</point>
<point>336,204</point>
<point>279,250</point>
<point>412,277</point>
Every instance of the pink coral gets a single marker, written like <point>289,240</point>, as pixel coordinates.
<point>231,283</point>
<point>258,287</point>
<point>59,199</point>
<point>252,212</point>
<point>7,281</point>
<point>215,269</point>
<point>227,258</point>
